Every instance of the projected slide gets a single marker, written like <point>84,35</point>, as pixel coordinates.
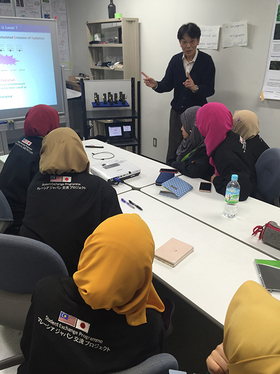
<point>26,66</point>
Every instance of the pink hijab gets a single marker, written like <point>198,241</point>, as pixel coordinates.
<point>214,121</point>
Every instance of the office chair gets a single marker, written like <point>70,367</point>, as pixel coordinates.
<point>23,262</point>
<point>6,215</point>
<point>157,364</point>
<point>268,175</point>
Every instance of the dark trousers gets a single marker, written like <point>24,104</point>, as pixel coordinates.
<point>175,136</point>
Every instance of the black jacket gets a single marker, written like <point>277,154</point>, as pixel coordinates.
<point>52,346</point>
<point>203,75</point>
<point>233,157</point>
<point>18,171</point>
<point>256,146</point>
<point>64,214</point>
<point>196,165</point>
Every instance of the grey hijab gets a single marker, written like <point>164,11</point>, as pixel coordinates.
<point>195,139</point>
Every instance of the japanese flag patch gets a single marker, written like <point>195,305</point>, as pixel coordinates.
<point>58,178</point>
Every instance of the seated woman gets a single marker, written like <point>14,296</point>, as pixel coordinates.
<point>226,150</point>
<point>107,317</point>
<point>192,159</point>
<point>23,160</point>
<point>64,202</point>
<point>251,334</point>
<point>246,124</point>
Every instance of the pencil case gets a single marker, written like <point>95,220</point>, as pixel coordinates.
<point>269,233</point>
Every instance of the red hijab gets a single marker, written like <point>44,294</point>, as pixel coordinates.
<point>40,120</point>
<point>214,121</point>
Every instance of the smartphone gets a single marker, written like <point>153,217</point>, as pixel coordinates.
<point>163,177</point>
<point>168,170</point>
<point>205,187</point>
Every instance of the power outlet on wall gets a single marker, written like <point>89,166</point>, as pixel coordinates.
<point>154,142</point>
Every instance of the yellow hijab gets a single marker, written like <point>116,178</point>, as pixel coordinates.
<point>63,152</point>
<point>115,268</point>
<point>252,331</point>
<point>246,124</point>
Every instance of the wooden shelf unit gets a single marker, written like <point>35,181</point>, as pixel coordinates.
<point>126,52</point>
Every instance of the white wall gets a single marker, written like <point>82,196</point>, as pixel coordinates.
<point>239,71</point>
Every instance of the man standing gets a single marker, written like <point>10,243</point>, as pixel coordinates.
<point>191,74</point>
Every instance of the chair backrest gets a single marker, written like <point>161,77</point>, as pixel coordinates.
<point>268,174</point>
<point>6,215</point>
<point>23,262</point>
<point>157,364</point>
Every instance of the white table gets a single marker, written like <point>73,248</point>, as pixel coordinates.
<point>149,168</point>
<point>3,158</point>
<point>209,276</point>
<point>208,208</point>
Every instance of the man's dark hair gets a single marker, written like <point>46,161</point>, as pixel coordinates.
<point>191,29</point>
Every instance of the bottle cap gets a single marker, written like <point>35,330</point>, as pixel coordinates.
<point>234,177</point>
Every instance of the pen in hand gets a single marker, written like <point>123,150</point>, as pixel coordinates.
<point>126,202</point>
<point>137,206</point>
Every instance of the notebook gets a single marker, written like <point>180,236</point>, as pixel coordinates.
<point>120,169</point>
<point>173,252</point>
<point>175,188</point>
<point>269,273</point>
<point>120,133</point>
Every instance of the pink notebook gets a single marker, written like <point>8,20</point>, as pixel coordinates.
<point>173,252</point>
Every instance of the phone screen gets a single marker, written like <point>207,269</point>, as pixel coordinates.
<point>205,187</point>
<point>168,170</point>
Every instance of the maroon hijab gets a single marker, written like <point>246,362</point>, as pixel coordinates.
<point>40,120</point>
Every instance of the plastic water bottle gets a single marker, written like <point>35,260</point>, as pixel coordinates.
<point>232,197</point>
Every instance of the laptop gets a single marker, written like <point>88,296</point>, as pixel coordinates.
<point>119,169</point>
<point>120,133</point>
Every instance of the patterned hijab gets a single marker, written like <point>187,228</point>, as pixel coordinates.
<point>63,152</point>
<point>246,124</point>
<point>195,139</point>
<point>214,121</point>
<point>40,120</point>
<point>115,268</point>
<point>252,330</point>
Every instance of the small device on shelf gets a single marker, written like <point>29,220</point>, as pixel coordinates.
<point>112,102</point>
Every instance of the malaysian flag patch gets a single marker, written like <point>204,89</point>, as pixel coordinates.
<point>58,178</point>
<point>66,318</point>
<point>27,142</point>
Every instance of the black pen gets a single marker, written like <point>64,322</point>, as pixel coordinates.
<point>129,204</point>
<point>94,146</point>
<point>137,206</point>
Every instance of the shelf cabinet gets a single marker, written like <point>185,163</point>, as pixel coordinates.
<point>119,43</point>
<point>127,115</point>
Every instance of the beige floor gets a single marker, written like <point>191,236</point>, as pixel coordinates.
<point>9,346</point>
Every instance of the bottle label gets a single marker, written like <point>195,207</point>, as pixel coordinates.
<point>232,195</point>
